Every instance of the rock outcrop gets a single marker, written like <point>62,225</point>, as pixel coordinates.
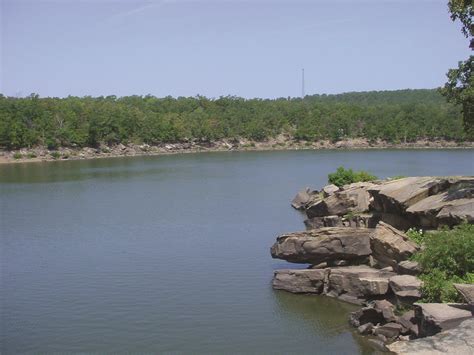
<point>358,253</point>
<point>325,244</point>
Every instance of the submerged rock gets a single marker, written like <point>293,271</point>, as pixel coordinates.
<point>325,244</point>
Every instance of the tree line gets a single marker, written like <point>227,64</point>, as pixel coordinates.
<point>393,116</point>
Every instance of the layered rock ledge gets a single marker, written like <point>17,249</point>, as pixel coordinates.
<point>357,252</point>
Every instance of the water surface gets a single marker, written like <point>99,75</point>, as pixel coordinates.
<point>171,254</point>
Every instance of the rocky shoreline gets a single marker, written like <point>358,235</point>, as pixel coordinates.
<point>357,251</point>
<point>38,154</point>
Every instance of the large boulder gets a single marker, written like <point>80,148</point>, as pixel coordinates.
<point>407,288</point>
<point>397,195</point>
<point>300,281</point>
<point>459,340</point>
<point>391,246</point>
<point>325,244</point>
<point>353,198</point>
<point>433,318</point>
<point>357,283</point>
<point>302,198</point>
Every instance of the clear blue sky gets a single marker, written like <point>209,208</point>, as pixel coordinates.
<point>253,48</point>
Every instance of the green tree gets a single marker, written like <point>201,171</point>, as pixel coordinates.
<point>460,85</point>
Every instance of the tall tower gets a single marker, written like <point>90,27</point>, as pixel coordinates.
<point>302,84</point>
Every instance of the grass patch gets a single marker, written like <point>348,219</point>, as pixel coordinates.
<point>17,156</point>
<point>55,155</point>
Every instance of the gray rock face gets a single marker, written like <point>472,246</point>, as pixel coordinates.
<point>391,246</point>
<point>467,291</point>
<point>433,318</point>
<point>325,244</point>
<point>459,340</point>
<point>357,282</point>
<point>407,288</point>
<point>300,281</point>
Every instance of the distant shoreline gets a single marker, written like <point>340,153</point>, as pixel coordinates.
<point>41,154</point>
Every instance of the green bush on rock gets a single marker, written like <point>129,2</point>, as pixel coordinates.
<point>348,176</point>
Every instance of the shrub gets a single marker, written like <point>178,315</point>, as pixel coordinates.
<point>31,155</point>
<point>17,156</point>
<point>447,257</point>
<point>56,155</point>
<point>347,176</point>
<point>451,251</point>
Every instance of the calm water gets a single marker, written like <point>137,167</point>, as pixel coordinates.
<point>171,254</point>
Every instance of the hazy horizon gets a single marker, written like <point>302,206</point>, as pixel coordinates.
<point>229,48</point>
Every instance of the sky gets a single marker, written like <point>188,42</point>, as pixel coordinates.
<point>247,48</point>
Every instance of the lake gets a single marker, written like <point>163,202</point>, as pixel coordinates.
<point>170,254</point>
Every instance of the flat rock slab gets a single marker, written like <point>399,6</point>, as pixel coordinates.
<point>353,284</point>
<point>358,282</point>
<point>325,244</point>
<point>459,341</point>
<point>406,287</point>
<point>433,318</point>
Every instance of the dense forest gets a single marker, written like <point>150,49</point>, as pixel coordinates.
<point>394,116</point>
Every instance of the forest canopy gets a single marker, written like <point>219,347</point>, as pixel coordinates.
<point>393,116</point>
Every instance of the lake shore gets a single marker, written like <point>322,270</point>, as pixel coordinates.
<point>42,154</point>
